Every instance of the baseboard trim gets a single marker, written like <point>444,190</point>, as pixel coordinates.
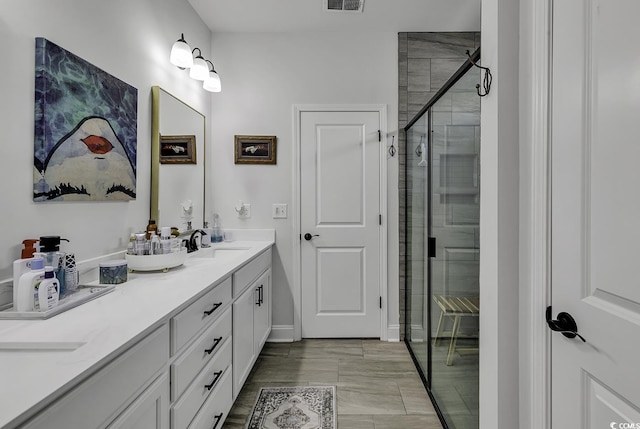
<point>393,333</point>
<point>281,334</point>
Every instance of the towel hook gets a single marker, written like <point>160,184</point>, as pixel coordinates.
<point>486,83</point>
<point>392,148</point>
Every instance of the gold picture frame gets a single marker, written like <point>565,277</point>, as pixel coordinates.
<point>178,149</point>
<point>255,149</point>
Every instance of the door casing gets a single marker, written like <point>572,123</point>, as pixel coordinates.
<point>381,109</point>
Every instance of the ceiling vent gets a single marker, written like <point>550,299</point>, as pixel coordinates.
<point>343,5</point>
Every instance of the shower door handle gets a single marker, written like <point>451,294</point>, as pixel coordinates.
<point>431,247</point>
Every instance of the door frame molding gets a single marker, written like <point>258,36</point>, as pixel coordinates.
<point>298,109</point>
<point>535,218</point>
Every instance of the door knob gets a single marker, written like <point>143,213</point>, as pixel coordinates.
<point>308,236</point>
<point>565,324</point>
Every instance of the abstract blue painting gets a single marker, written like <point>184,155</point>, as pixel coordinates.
<point>85,130</point>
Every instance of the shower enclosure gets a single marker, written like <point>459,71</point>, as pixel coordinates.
<point>443,251</point>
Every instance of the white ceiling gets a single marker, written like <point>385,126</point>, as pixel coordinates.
<point>308,16</point>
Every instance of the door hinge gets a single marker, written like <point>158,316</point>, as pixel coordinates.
<point>379,136</point>
<point>380,219</point>
<point>380,302</point>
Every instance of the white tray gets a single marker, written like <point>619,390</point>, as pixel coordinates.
<point>155,262</point>
<point>84,293</point>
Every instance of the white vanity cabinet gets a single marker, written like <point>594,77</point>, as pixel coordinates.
<point>251,316</point>
<point>182,369</point>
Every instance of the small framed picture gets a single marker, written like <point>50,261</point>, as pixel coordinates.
<point>178,150</point>
<point>255,149</point>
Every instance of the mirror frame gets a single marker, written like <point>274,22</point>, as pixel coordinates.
<point>155,153</point>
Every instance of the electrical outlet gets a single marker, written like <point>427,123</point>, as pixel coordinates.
<point>279,211</point>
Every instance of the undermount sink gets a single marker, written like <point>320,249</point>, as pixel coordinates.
<point>220,252</point>
<point>39,346</point>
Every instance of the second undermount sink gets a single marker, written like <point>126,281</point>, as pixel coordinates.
<point>40,346</point>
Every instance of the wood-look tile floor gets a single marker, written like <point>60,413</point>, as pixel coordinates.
<point>377,384</point>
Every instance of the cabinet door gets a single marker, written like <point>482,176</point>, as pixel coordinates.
<point>262,311</point>
<point>149,411</point>
<point>243,352</point>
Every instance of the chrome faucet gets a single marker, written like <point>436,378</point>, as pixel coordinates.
<point>192,245</point>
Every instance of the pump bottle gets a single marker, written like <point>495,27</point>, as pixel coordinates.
<point>26,286</point>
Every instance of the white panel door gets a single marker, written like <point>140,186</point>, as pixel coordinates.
<point>595,157</point>
<point>340,208</point>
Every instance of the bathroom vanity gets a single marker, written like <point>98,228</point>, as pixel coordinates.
<point>164,350</point>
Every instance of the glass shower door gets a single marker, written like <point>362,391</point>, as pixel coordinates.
<point>454,215</point>
<point>417,275</point>
<point>443,247</point>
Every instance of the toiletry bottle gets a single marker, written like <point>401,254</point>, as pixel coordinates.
<point>29,248</point>
<point>28,281</point>
<point>20,267</point>
<point>131,244</point>
<point>50,252</point>
<point>156,248</point>
<point>48,290</point>
<point>165,239</point>
<point>216,235</point>
<point>152,227</point>
<point>139,244</point>
<point>205,239</point>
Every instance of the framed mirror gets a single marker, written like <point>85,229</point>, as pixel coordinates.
<point>178,149</point>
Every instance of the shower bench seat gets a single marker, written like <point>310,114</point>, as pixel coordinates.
<point>455,307</point>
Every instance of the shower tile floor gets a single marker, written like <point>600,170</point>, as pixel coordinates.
<point>378,386</point>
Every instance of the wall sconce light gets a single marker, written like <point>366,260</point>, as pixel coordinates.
<point>212,82</point>
<point>182,57</point>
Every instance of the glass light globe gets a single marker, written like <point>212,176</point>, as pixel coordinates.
<point>181,55</point>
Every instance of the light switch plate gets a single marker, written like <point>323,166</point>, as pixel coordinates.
<point>279,211</point>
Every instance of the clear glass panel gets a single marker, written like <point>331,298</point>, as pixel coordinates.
<point>454,270</point>
<point>417,299</point>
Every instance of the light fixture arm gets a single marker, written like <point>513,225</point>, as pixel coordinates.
<point>199,52</point>
<point>213,68</point>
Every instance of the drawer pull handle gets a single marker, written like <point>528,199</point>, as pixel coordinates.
<point>215,380</point>
<point>216,341</point>
<point>218,420</point>
<point>215,307</point>
<point>260,295</point>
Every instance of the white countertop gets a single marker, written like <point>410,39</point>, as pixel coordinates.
<point>30,380</point>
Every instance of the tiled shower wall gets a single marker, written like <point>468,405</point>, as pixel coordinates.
<point>425,62</point>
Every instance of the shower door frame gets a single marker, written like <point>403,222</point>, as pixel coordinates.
<point>426,110</point>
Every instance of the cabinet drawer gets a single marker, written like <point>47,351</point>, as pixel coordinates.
<point>199,314</point>
<point>216,409</point>
<point>247,274</point>
<point>96,400</point>
<point>185,368</point>
<point>183,411</point>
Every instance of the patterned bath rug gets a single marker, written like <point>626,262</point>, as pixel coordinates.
<point>304,407</point>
